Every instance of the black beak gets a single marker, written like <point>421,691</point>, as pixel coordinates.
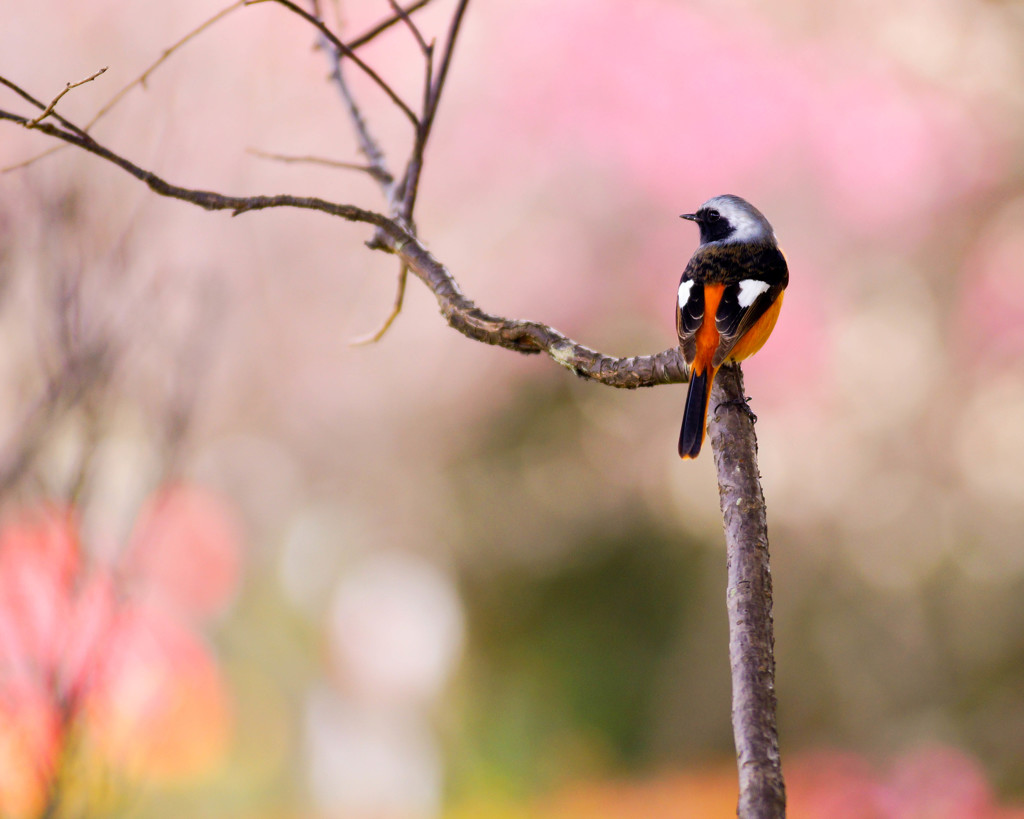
<point>693,217</point>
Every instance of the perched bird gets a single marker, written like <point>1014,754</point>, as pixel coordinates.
<point>729,299</point>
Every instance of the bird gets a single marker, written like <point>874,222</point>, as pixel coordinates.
<point>728,300</point>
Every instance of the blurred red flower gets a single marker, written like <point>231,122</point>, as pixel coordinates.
<point>101,657</point>
<point>197,580</point>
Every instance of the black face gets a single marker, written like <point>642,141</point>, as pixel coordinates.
<point>713,226</point>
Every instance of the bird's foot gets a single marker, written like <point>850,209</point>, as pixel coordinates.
<point>743,406</point>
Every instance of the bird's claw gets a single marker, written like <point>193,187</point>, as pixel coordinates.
<point>743,406</point>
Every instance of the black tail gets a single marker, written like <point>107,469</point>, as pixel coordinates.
<point>695,415</point>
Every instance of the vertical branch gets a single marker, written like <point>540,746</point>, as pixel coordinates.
<point>749,600</point>
<point>368,145</point>
<point>411,179</point>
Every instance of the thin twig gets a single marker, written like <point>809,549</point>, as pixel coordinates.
<point>165,55</point>
<point>53,103</point>
<point>749,601</point>
<point>383,26</point>
<point>373,338</point>
<point>207,199</point>
<point>371,149</point>
<point>407,190</point>
<point>17,166</point>
<point>347,51</point>
<point>21,92</point>
<point>368,145</point>
<point>427,50</point>
<point>138,81</point>
<point>414,168</point>
<point>446,58</point>
<point>168,52</point>
<point>417,35</point>
<point>290,159</point>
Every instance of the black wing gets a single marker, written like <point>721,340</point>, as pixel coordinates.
<point>733,319</point>
<point>689,316</point>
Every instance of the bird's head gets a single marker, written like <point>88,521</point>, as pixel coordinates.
<point>729,219</point>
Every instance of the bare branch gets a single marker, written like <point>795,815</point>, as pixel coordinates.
<point>427,50</point>
<point>417,35</point>
<point>371,149</point>
<point>17,166</point>
<point>21,92</point>
<point>414,169</point>
<point>369,146</point>
<point>410,180</point>
<point>522,336</point>
<point>749,600</point>
<point>446,58</point>
<point>289,159</point>
<point>347,51</point>
<point>138,81</point>
<point>168,52</point>
<point>383,26</point>
<point>53,103</point>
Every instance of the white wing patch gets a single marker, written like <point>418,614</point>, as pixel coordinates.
<point>684,293</point>
<point>750,289</point>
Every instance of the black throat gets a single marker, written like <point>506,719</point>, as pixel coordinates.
<point>714,231</point>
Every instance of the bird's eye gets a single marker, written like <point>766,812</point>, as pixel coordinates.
<point>712,216</point>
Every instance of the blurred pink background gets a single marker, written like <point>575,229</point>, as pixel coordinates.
<point>432,578</point>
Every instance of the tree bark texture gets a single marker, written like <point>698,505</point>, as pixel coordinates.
<point>749,600</point>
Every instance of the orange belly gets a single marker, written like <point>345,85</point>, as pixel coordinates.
<point>754,339</point>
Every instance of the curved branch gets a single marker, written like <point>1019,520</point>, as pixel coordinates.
<point>34,123</point>
<point>522,336</point>
<point>21,92</point>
